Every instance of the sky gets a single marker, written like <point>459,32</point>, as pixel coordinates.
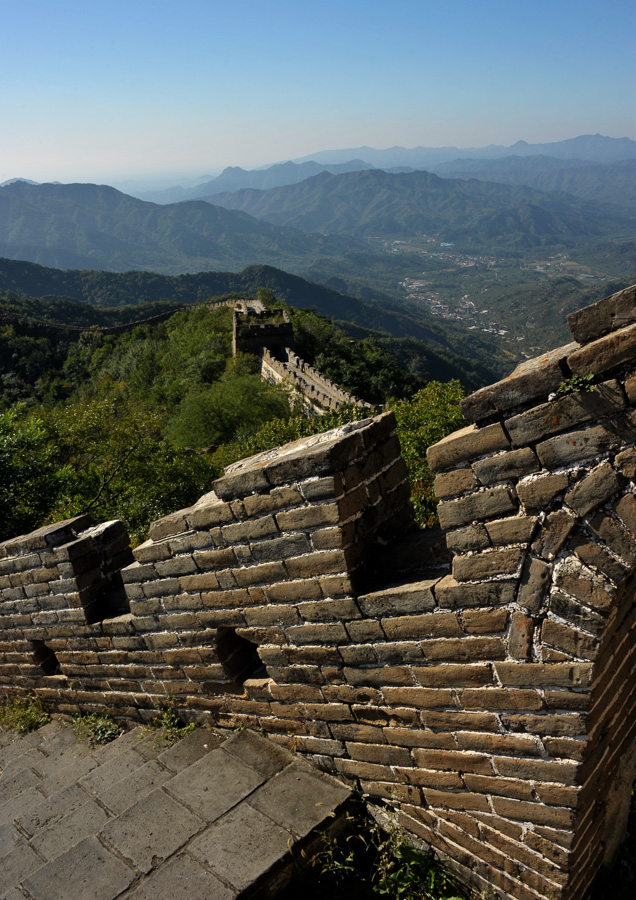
<point>144,89</point>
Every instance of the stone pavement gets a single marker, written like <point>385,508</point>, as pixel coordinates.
<point>210,817</point>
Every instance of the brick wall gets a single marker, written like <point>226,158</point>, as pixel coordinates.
<point>492,704</point>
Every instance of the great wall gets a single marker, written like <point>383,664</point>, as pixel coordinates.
<point>480,683</point>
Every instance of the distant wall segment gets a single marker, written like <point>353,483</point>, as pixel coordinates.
<point>491,704</point>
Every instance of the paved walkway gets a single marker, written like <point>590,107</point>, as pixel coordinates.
<point>210,817</point>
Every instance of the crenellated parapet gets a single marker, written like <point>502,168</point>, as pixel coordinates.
<point>480,682</point>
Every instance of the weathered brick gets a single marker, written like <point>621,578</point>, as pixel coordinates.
<point>498,743</point>
<point>465,444</point>
<point>539,492</point>
<point>514,530</point>
<point>318,634</point>
<point>280,548</point>
<point>511,464</point>
<point>451,594</point>
<point>579,582</point>
<point>474,537</point>
<point>461,800</point>
<point>609,314</point>
<point>293,591</point>
<point>450,484</point>
<point>544,675</point>
<point>409,598</point>
<point>618,540</point>
<point>601,484</point>
<point>553,534</point>
<point>485,565</point>
<point>450,675</point>
<point>483,504</point>
<point>418,696</point>
<point>260,574</point>
<point>503,787</point>
<point>322,562</point>
<point>385,675</point>
<point>245,532</point>
<point>575,446</point>
<point>565,638</point>
<point>531,380</point>
<point>454,760</point>
<point>561,725</point>
<point>520,636</point>
<point>464,649</point>
<point>533,812</point>
<point>490,698</point>
<point>606,353</point>
<point>626,461</point>
<point>427,625</point>
<point>484,621</point>
<point>465,721</point>
<point>577,615</point>
<point>417,737</point>
<point>329,610</point>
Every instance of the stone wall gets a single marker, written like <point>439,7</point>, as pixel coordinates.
<point>318,393</point>
<point>492,704</point>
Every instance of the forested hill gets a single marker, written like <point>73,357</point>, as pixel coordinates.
<point>426,347</point>
<point>96,226</point>
<point>472,213</point>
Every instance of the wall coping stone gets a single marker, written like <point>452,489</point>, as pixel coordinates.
<point>609,314</point>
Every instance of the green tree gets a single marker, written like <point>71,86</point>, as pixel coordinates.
<point>433,413</point>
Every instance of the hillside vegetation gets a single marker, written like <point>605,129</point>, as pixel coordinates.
<point>135,424</point>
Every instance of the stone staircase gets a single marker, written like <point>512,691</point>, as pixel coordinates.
<point>210,817</point>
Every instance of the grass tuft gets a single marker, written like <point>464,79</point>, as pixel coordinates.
<point>23,715</point>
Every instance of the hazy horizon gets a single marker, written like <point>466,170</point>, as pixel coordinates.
<point>149,91</point>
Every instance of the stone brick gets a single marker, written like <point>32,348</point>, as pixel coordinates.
<point>464,649</point>
<point>610,314</point>
<point>512,464</point>
<point>332,538</point>
<point>481,505</point>
<point>450,675</point>
<point>555,531</point>
<point>491,698</point>
<point>533,812</point>
<point>538,493</point>
<point>322,488</point>
<point>498,743</point>
<point>520,636</point>
<point>565,638</point>
<point>451,594</point>
<point>626,510</point>
<point>568,675</point>
<point>592,554</point>
<point>485,565</point>
<point>409,598</point>
<point>599,486</point>
<point>577,615</point>
<point>454,760</point>
<point>618,540</point>
<point>466,444</point>
<point>322,562</point>
<point>381,676</point>
<point>293,591</point>
<point>535,583</point>
<point>485,621</point>
<point>576,446</point>
<point>245,532</point>
<point>514,530</point>
<point>606,353</point>
<point>280,547</point>
<point>427,625</point>
<point>450,484</point>
<point>532,379</point>
<point>626,461</point>
<point>260,574</point>
<point>418,696</point>
<point>474,537</point>
<point>318,634</point>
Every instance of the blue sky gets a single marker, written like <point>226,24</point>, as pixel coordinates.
<point>104,91</point>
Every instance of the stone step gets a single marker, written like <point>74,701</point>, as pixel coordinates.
<point>211,816</point>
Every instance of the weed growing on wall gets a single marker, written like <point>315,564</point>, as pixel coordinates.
<point>365,862</point>
<point>170,727</point>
